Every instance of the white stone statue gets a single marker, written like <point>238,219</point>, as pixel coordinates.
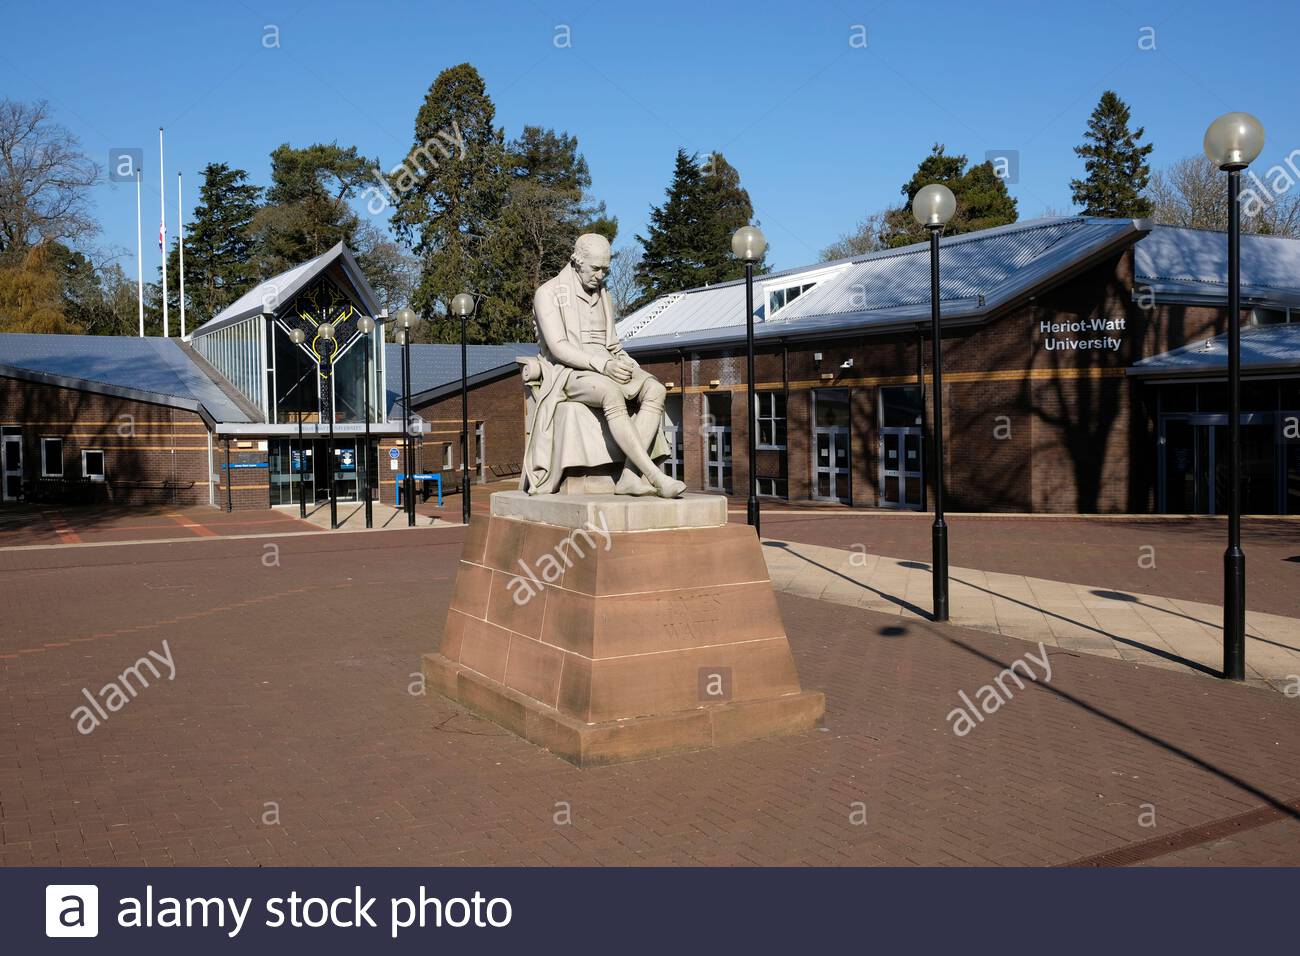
<point>581,383</point>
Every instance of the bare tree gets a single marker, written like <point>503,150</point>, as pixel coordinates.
<point>865,237</point>
<point>621,281</point>
<point>44,179</point>
<point>1193,193</point>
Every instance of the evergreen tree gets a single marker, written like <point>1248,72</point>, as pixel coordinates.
<point>545,210</point>
<point>982,199</point>
<point>689,239</point>
<point>1115,163</point>
<point>219,246</point>
<point>450,190</point>
<point>308,205</point>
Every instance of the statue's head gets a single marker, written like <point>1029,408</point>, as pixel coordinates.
<point>590,260</point>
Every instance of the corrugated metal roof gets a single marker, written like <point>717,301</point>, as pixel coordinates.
<point>1194,262</point>
<point>1265,346</point>
<point>980,271</point>
<point>156,368</point>
<point>433,366</point>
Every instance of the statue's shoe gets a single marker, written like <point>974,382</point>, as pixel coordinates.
<point>630,483</point>
<point>670,487</point>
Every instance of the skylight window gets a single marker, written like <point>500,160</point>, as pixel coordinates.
<point>778,299</point>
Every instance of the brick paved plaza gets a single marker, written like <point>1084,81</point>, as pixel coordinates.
<point>289,734</point>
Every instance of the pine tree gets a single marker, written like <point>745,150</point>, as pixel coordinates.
<point>1116,165</point>
<point>31,299</point>
<point>450,190</point>
<point>219,247</point>
<point>689,238</point>
<point>308,205</point>
<point>982,199</point>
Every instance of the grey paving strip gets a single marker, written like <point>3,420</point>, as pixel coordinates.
<point>1141,628</point>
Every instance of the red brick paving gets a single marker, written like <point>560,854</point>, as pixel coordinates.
<point>291,696</point>
<point>23,525</point>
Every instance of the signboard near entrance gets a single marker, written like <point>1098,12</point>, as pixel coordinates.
<point>394,454</point>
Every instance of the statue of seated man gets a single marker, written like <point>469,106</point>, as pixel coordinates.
<point>582,361</point>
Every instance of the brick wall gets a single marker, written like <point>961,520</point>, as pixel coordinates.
<point>153,454</point>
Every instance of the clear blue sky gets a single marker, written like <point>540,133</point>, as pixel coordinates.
<point>821,132</point>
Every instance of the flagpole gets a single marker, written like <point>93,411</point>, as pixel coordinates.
<point>139,253</point>
<point>162,230</point>
<point>180,246</point>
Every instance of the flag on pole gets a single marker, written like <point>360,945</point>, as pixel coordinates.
<point>162,236</point>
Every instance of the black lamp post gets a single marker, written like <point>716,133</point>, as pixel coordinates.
<point>463,306</point>
<point>366,325</point>
<point>749,246</point>
<point>406,322</point>
<point>325,332</point>
<point>933,206</point>
<point>1232,142</point>
<point>297,337</point>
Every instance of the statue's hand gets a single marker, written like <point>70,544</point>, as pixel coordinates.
<point>618,370</point>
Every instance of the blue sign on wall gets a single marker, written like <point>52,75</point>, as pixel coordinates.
<point>394,454</point>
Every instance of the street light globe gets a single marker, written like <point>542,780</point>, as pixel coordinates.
<point>297,336</point>
<point>325,331</point>
<point>365,325</point>
<point>748,244</point>
<point>1234,140</point>
<point>934,205</point>
<point>462,305</point>
<point>406,319</point>
<point>400,336</point>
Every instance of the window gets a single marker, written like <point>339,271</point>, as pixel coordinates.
<point>52,457</point>
<point>769,417</point>
<point>92,464</point>
<point>448,461</point>
<point>1263,316</point>
<point>780,298</point>
<point>773,487</point>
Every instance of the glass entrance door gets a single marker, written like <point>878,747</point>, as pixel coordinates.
<point>287,473</point>
<point>831,419</point>
<point>901,482</point>
<point>11,456</point>
<point>1196,461</point>
<point>717,458</point>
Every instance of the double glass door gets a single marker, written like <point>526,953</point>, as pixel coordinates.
<point>901,484</point>
<point>831,420</point>
<point>303,472</point>
<point>11,457</point>
<point>1196,460</point>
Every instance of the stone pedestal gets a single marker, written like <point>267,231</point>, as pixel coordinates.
<point>607,628</point>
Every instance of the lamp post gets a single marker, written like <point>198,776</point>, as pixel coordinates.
<point>406,322</point>
<point>325,332</point>
<point>749,246</point>
<point>1232,142</point>
<point>463,306</point>
<point>366,325</point>
<point>933,206</point>
<point>297,337</point>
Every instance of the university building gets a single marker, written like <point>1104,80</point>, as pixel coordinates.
<point>1084,371</point>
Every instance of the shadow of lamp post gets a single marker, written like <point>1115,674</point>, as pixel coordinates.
<point>933,206</point>
<point>463,307</point>
<point>1232,142</point>
<point>749,246</point>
